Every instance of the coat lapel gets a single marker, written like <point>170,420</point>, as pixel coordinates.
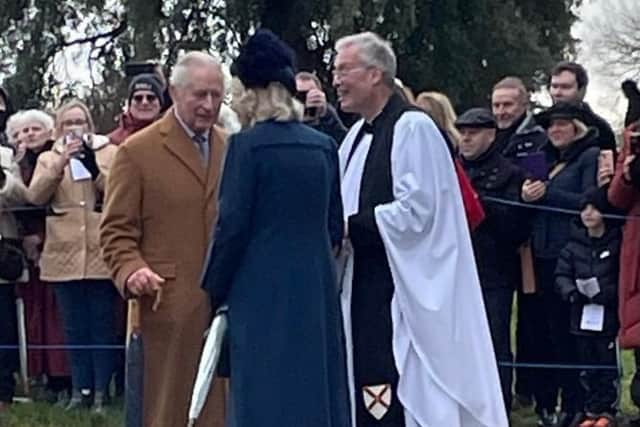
<point>176,140</point>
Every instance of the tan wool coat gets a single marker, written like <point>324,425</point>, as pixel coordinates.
<point>71,248</point>
<point>159,213</point>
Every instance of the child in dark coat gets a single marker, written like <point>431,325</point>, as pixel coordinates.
<point>587,277</point>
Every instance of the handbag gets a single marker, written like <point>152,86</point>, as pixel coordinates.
<point>11,259</point>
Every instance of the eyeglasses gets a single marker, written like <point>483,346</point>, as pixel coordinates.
<point>74,122</point>
<point>342,72</point>
<point>149,97</point>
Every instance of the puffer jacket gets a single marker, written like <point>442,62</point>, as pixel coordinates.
<point>585,257</point>
<point>71,249</point>
<point>12,194</point>
<point>579,163</point>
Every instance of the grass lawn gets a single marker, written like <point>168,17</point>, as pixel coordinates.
<point>44,415</point>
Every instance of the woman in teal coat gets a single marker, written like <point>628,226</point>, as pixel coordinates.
<point>272,261</point>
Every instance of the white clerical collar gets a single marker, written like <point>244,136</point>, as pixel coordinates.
<point>190,132</point>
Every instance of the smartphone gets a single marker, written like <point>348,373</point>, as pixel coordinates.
<point>605,161</point>
<point>310,112</point>
<point>535,164</point>
<point>634,143</point>
<point>75,134</point>
<point>301,96</point>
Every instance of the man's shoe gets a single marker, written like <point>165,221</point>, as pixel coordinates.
<point>605,420</point>
<point>62,399</point>
<point>4,406</point>
<point>570,420</point>
<point>99,403</point>
<point>79,400</point>
<point>589,422</point>
<point>547,419</point>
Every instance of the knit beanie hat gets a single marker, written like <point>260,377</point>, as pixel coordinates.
<point>145,82</point>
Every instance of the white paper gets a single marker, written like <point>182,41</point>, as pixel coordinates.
<point>588,287</point>
<point>78,171</point>
<point>592,318</point>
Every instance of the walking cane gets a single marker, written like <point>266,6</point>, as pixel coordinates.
<point>22,345</point>
<point>134,368</point>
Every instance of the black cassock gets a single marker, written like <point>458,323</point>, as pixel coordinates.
<point>372,285</point>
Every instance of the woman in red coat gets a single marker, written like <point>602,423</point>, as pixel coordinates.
<point>624,193</point>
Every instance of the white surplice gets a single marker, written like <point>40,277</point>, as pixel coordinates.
<point>441,341</point>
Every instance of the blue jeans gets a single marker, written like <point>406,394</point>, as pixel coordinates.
<point>88,315</point>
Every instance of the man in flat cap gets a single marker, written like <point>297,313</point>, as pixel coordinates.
<point>497,238</point>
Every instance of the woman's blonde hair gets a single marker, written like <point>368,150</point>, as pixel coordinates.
<point>438,106</point>
<point>271,103</point>
<point>74,103</point>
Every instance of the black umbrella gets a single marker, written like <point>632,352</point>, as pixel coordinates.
<point>134,385</point>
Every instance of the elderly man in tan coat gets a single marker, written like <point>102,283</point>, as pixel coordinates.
<point>158,217</point>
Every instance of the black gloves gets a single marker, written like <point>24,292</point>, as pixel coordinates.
<point>88,159</point>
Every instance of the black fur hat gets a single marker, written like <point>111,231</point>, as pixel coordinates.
<point>263,59</point>
<point>630,90</point>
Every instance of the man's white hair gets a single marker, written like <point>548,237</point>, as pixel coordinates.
<point>180,73</point>
<point>23,117</point>
<point>374,51</point>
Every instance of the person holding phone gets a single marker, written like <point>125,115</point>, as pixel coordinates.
<point>70,179</point>
<point>11,194</point>
<point>572,157</point>
<point>318,113</point>
<point>31,132</point>
<point>624,193</point>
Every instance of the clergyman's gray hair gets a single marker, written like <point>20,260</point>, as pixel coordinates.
<point>375,52</point>
<point>180,73</point>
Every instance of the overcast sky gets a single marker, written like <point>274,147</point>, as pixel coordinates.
<point>604,92</point>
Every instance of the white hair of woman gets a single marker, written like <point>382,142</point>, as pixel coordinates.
<point>19,119</point>
<point>229,120</point>
<point>375,52</point>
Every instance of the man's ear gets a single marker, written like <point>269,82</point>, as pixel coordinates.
<point>378,76</point>
<point>582,92</point>
<point>173,92</point>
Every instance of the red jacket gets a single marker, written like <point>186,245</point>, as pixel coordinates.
<point>128,125</point>
<point>625,196</point>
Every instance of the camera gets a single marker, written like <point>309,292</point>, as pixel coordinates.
<point>310,112</point>
<point>634,143</point>
<point>77,134</point>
